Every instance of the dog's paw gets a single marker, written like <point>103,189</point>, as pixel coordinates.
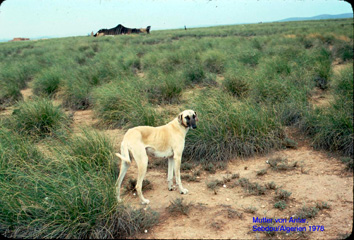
<point>184,191</point>
<point>119,200</point>
<point>145,202</point>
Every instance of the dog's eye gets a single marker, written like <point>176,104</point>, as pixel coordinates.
<point>188,118</point>
<point>193,116</point>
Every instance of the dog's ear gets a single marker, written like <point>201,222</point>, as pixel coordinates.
<point>180,118</point>
<point>196,117</point>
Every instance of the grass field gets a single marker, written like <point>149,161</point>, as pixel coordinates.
<point>247,83</point>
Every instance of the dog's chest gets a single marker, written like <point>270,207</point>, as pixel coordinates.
<point>152,152</point>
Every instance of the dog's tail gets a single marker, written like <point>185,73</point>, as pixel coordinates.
<point>124,153</point>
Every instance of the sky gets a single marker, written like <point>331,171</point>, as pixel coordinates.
<point>64,18</point>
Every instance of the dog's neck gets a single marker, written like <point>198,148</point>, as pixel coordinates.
<point>181,126</point>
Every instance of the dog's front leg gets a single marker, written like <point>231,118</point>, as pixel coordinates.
<point>177,160</point>
<point>171,166</point>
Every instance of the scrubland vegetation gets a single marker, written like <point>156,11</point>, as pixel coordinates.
<point>246,82</point>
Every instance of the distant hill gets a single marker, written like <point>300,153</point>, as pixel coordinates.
<point>319,17</point>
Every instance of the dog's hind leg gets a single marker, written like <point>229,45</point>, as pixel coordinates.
<point>142,161</point>
<point>124,165</point>
<point>171,166</point>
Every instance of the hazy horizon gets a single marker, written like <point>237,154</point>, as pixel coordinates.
<point>63,18</point>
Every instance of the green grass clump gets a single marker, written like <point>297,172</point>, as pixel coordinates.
<point>123,105</point>
<point>60,197</point>
<point>214,61</point>
<point>194,73</point>
<point>227,129</point>
<point>332,128</point>
<point>38,118</point>
<point>236,85</point>
<point>92,149</point>
<point>76,93</point>
<point>47,82</point>
<point>165,88</point>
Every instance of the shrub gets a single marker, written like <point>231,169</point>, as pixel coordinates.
<point>38,118</point>
<point>281,205</point>
<point>307,212</point>
<point>282,195</point>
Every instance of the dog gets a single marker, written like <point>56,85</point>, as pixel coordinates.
<point>165,141</point>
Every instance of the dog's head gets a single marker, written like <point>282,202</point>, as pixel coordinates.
<point>188,119</point>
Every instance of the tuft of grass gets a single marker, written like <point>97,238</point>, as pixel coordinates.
<point>194,74</point>
<point>47,82</point>
<point>270,185</point>
<point>56,197</point>
<point>281,164</point>
<point>307,212</point>
<point>251,188</point>
<point>91,150</point>
<point>165,89</point>
<point>123,105</point>
<point>348,162</point>
<point>214,185</point>
<point>214,61</point>
<point>261,172</point>
<point>237,86</point>
<point>250,209</point>
<point>332,128</point>
<point>38,118</point>
<point>178,207</point>
<point>227,129</point>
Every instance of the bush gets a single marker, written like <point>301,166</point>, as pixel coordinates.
<point>38,118</point>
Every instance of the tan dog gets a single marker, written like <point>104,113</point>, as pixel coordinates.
<point>165,141</point>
